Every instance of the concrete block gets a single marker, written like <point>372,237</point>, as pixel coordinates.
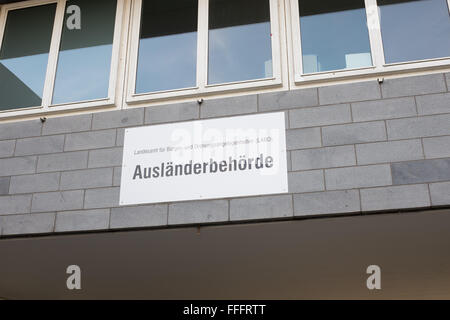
<point>410,86</point>
<point>82,220</point>
<point>21,129</point>
<point>358,177</point>
<point>433,104</point>
<point>399,197</point>
<point>330,202</point>
<point>62,161</point>
<point>120,135</point>
<point>228,106</point>
<point>90,140</point>
<point>421,171</point>
<point>384,109</point>
<point>289,161</point>
<point>15,204</point>
<point>440,193</point>
<point>16,166</point>
<point>303,138</point>
<point>437,147</point>
<point>7,148</point>
<point>4,185</point>
<point>172,112</point>
<point>319,116</point>
<point>288,99</point>
<point>105,157</point>
<point>28,224</point>
<point>418,127</point>
<point>42,182</point>
<point>85,179</point>
<point>138,217</point>
<point>39,145</point>
<point>117,176</point>
<point>286,119</point>
<point>118,119</point>
<point>323,158</point>
<point>57,201</point>
<point>198,212</point>
<point>67,124</point>
<point>306,181</point>
<point>101,198</point>
<point>391,151</point>
<point>266,207</point>
<point>351,92</point>
<point>354,133</point>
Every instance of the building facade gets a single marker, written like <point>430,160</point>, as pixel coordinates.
<point>364,86</point>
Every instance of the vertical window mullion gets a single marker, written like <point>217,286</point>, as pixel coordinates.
<point>275,39</point>
<point>202,44</point>
<point>374,27</point>
<point>135,27</point>
<point>296,40</point>
<point>53,54</point>
<point>2,23</point>
<point>114,68</point>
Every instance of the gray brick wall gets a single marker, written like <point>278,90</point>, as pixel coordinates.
<point>352,149</point>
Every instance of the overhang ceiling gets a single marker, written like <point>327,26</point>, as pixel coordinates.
<point>314,258</point>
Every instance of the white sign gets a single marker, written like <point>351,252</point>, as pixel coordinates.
<point>206,159</point>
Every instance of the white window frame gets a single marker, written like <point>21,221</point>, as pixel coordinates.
<point>46,105</point>
<point>379,67</point>
<point>202,87</point>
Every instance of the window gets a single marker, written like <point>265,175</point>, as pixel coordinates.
<point>187,47</point>
<point>239,41</point>
<point>334,35</point>
<point>24,56</point>
<point>84,59</point>
<point>351,37</point>
<point>414,30</point>
<point>167,56</point>
<point>58,54</point>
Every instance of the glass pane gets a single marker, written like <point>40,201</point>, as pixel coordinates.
<point>334,35</point>
<point>415,30</point>
<point>84,59</point>
<point>239,40</point>
<point>24,56</point>
<point>167,56</point>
